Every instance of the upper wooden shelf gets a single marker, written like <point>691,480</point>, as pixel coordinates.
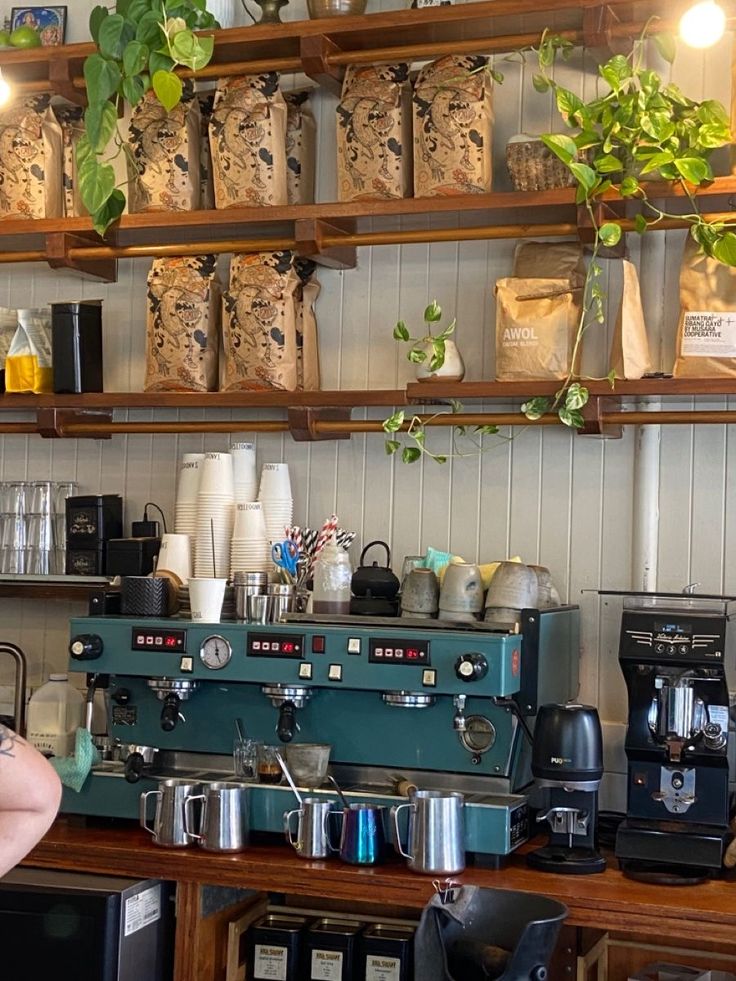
<point>205,400</point>
<point>492,391</point>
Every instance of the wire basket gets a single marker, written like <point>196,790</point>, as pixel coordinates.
<point>534,167</point>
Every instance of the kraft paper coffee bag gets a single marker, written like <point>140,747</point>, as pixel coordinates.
<point>706,334</point>
<point>374,133</point>
<point>550,260</point>
<point>453,118</point>
<point>259,323</point>
<point>630,345</point>
<point>206,184</point>
<point>28,364</point>
<point>30,160</point>
<point>535,329</point>
<point>71,120</point>
<point>248,142</point>
<point>308,371</point>
<point>183,336</point>
<point>167,154</point>
<point>301,147</point>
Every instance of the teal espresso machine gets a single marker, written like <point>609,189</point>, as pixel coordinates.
<point>400,702</point>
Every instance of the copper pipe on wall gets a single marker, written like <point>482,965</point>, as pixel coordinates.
<point>18,428</point>
<point>196,248</point>
<point>73,429</point>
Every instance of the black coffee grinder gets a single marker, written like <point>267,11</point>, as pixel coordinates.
<point>675,651</point>
<point>567,763</point>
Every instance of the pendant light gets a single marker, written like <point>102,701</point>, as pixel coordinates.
<point>703,24</point>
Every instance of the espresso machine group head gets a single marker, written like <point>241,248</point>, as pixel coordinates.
<point>676,653</point>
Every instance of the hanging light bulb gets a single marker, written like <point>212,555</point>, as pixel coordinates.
<point>703,25</point>
<point>5,91</point>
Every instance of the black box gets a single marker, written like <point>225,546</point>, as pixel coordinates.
<point>93,519</point>
<point>76,339</point>
<point>86,561</point>
<point>131,556</point>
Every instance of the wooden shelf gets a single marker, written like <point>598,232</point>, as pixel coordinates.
<point>491,391</point>
<point>206,400</point>
<point>50,587</point>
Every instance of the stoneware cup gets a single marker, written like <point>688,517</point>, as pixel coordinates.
<point>462,588</point>
<point>420,592</point>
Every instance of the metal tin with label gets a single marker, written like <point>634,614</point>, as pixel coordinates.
<point>332,948</point>
<point>276,947</point>
<point>386,953</point>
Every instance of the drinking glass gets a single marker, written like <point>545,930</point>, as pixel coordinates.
<point>269,768</point>
<point>245,759</point>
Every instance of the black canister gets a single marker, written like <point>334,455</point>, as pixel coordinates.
<point>76,338</point>
<point>275,948</point>
<point>143,596</point>
<point>332,949</point>
<point>93,519</point>
<point>86,561</point>
<point>386,953</point>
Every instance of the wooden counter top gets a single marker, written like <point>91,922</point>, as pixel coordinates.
<point>607,902</point>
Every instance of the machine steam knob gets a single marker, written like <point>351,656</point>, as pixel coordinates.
<point>471,667</point>
<point>86,647</point>
<point>715,737</point>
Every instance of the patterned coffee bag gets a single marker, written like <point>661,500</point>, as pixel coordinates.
<point>259,323</point>
<point>300,147</point>
<point>207,189</point>
<point>30,160</point>
<point>167,153</point>
<point>308,373</point>
<point>453,116</point>
<point>374,133</point>
<point>72,128</point>
<point>183,336</point>
<point>248,142</point>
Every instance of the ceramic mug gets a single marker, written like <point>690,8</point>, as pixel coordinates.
<point>420,592</point>
<point>462,588</point>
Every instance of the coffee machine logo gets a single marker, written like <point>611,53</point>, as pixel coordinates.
<point>560,760</point>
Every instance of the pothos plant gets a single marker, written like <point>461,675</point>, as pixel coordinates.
<point>140,44</point>
<point>431,346</point>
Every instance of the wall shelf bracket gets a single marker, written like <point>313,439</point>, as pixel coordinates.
<point>317,239</point>
<point>303,428</point>
<point>594,414</point>
<point>586,232</point>
<point>597,36</point>
<point>53,423</point>
<point>315,53</point>
<point>58,246</point>
<point>61,79</point>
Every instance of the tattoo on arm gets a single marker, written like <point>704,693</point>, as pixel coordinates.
<point>8,740</point>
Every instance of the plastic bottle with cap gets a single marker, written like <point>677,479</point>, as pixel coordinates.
<point>332,575</point>
<point>55,712</point>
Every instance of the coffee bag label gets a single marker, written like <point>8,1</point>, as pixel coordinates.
<point>709,335</point>
<point>326,965</point>
<point>270,963</point>
<point>382,968</point>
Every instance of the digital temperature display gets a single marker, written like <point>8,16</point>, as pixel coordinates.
<point>671,628</point>
<point>146,639</point>
<point>397,651</point>
<point>271,645</point>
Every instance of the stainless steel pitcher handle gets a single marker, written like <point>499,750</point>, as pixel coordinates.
<point>397,834</point>
<point>287,827</point>
<point>143,809</point>
<point>328,830</point>
<point>187,813</point>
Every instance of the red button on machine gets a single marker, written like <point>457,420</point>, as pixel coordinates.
<point>318,644</point>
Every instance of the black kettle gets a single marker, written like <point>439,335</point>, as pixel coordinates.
<point>375,581</point>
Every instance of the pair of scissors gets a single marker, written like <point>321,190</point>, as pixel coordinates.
<point>286,556</point>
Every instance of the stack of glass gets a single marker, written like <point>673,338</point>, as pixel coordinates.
<point>33,526</point>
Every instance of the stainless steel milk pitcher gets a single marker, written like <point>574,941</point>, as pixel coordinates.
<point>436,832</point>
<point>312,839</point>
<point>168,827</point>
<point>223,824</point>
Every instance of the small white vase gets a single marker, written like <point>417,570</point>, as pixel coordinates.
<point>453,368</point>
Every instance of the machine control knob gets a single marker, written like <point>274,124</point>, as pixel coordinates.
<point>715,737</point>
<point>678,781</point>
<point>86,647</point>
<point>683,648</point>
<point>659,648</point>
<point>471,667</point>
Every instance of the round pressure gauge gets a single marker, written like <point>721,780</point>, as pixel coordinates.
<point>215,652</point>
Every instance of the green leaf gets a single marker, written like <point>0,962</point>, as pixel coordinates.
<point>584,175</point>
<point>84,150</point>
<point>433,313</point>
<point>417,356</point>
<point>571,417</point>
<point>391,446</point>
<point>640,224</point>
<point>496,75</point>
<point>656,161</point>
<point>100,121</point>
<point>629,186</point>
<point>115,33</point>
<point>611,377</point>
<point>135,57</point>
<point>724,249</point>
<point>667,46</point>
<point>102,77</point>
<point>96,183</point>
<point>448,331</point>
<point>607,164</point>
<point>168,88</point>
<point>149,30</point>
<point>394,423</point>
<point>693,169</point>
<point>134,89</point>
<point>439,458</point>
<point>610,234</point>
<point>537,407</point>
<point>110,211</point>
<point>137,9</point>
<point>486,430</point>
<point>540,83</point>
<point>98,15</point>
<point>411,454</point>
<point>562,146</point>
<point>616,72</point>
<point>401,331</point>
<point>159,63</point>
<point>438,356</point>
<point>576,396</point>
<point>567,103</point>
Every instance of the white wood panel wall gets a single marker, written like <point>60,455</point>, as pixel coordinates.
<point>553,499</point>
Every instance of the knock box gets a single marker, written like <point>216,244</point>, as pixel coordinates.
<point>76,339</point>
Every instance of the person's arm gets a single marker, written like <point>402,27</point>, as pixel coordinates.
<point>30,793</point>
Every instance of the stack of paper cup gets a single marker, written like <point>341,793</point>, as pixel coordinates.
<point>251,551</point>
<point>215,505</point>
<point>187,488</point>
<point>244,472</point>
<point>275,496</point>
<point>175,555</point>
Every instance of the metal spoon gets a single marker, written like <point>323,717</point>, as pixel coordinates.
<point>340,794</point>
<point>289,778</point>
<point>241,729</point>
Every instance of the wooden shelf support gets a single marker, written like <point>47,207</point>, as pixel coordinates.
<point>302,423</point>
<point>315,51</point>
<point>58,246</point>
<point>62,81</point>
<point>51,422</point>
<point>594,414</point>
<point>603,212</point>
<point>598,32</point>
<point>310,234</point>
